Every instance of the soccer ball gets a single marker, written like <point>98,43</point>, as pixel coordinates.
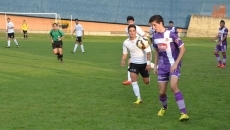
<point>142,42</point>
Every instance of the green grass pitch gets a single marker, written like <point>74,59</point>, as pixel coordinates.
<point>85,91</point>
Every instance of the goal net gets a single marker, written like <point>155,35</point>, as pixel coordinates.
<point>37,22</point>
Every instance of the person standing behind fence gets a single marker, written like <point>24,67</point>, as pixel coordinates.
<point>10,31</point>
<point>25,28</point>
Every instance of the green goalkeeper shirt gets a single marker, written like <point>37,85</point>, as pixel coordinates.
<point>55,34</point>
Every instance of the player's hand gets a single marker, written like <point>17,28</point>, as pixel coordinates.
<point>122,63</point>
<point>148,68</point>
<point>173,68</point>
<point>219,43</point>
<point>59,39</point>
<point>155,70</point>
<point>52,41</point>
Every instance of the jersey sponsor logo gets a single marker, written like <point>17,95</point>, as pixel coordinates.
<point>162,46</point>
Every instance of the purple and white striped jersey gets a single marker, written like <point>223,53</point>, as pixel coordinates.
<point>167,44</point>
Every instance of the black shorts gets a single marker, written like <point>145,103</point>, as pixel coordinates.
<point>10,35</point>
<point>57,44</point>
<point>139,68</point>
<point>24,31</point>
<point>78,39</point>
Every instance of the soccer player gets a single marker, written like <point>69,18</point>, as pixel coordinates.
<point>139,61</point>
<point>169,50</point>
<point>10,31</point>
<point>140,32</point>
<point>172,28</point>
<point>56,36</point>
<point>79,35</point>
<point>25,28</point>
<point>221,45</point>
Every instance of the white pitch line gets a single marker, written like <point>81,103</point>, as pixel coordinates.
<point>203,74</point>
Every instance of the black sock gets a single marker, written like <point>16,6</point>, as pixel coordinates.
<point>24,36</point>
<point>61,56</point>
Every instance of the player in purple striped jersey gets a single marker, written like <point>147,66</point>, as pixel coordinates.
<point>221,45</point>
<point>172,28</point>
<point>169,50</point>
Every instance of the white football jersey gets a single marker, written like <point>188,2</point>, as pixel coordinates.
<point>138,56</point>
<point>9,25</point>
<point>140,32</point>
<point>79,30</point>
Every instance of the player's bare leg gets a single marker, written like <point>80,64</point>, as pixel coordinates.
<point>162,97</point>
<point>224,60</point>
<point>136,87</point>
<point>216,53</point>
<point>146,80</point>
<point>55,51</point>
<point>128,81</point>
<point>179,98</point>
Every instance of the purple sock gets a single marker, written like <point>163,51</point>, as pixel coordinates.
<point>180,102</point>
<point>163,99</point>
<point>218,58</point>
<point>224,59</point>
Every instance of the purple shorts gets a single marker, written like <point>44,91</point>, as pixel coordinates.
<point>221,48</point>
<point>164,77</point>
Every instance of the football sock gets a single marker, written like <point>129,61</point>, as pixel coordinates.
<point>75,47</point>
<point>8,42</point>
<point>224,59</point>
<point>82,48</point>
<point>129,78</point>
<point>163,99</point>
<point>136,90</point>
<point>24,36</point>
<point>180,102</point>
<point>218,58</point>
<point>15,41</point>
<point>61,56</point>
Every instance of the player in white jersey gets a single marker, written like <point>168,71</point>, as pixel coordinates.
<point>139,61</point>
<point>79,35</point>
<point>10,31</point>
<point>139,32</point>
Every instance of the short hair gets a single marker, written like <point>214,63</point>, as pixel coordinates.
<point>76,19</point>
<point>8,18</point>
<point>132,26</point>
<point>170,21</point>
<point>222,21</point>
<point>130,18</point>
<point>55,24</point>
<point>157,18</point>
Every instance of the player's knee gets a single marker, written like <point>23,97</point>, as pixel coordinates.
<point>146,81</point>
<point>215,52</point>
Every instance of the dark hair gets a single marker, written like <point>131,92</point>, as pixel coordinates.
<point>55,24</point>
<point>156,18</point>
<point>132,26</point>
<point>130,18</point>
<point>222,21</point>
<point>8,18</point>
<point>76,19</point>
<point>170,21</point>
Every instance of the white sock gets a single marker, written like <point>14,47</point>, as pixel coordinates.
<point>75,47</point>
<point>15,41</point>
<point>129,78</point>
<point>136,90</point>
<point>82,48</point>
<point>8,42</point>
